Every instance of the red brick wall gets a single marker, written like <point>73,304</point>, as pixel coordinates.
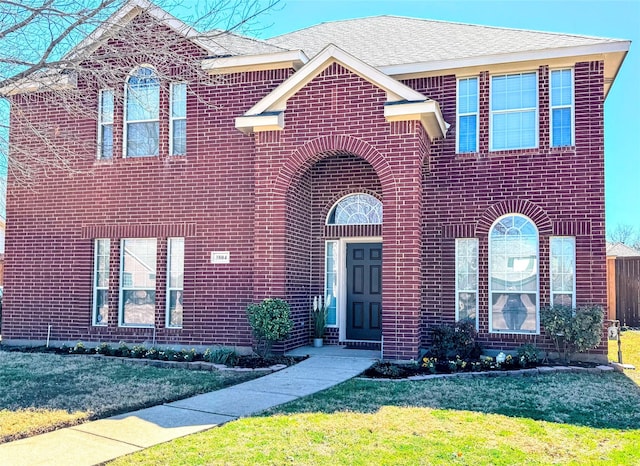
<point>264,199</point>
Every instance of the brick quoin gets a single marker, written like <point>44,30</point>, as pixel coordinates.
<point>265,198</point>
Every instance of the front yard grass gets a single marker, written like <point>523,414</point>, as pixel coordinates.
<point>561,418</point>
<point>41,392</point>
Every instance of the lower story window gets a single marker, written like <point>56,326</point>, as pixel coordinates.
<point>467,279</point>
<point>563,265</point>
<point>101,281</point>
<point>138,282</point>
<point>331,280</point>
<point>513,275</point>
<point>175,281</point>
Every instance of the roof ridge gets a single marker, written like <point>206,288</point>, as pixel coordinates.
<point>222,32</point>
<point>460,23</point>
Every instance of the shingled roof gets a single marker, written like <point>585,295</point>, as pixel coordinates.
<point>394,40</point>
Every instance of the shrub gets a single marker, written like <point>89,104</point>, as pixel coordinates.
<point>270,322</point>
<point>123,350</point>
<point>451,340</point>
<point>225,356</point>
<point>528,355</point>
<point>138,352</point>
<point>79,348</point>
<point>104,348</point>
<point>573,330</point>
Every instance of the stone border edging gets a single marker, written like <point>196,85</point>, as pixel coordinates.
<point>514,373</point>
<point>194,365</point>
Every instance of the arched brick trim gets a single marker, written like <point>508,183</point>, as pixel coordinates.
<point>326,146</point>
<point>513,206</point>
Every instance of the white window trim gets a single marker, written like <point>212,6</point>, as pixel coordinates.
<point>476,113</point>
<point>102,124</point>
<point>572,106</point>
<point>341,288</point>
<point>96,287</point>
<point>121,289</point>
<point>551,291</point>
<point>173,119</point>
<point>458,290</point>
<point>126,121</point>
<point>537,291</point>
<point>169,288</point>
<point>501,112</point>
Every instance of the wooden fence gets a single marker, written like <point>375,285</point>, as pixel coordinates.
<point>623,288</point>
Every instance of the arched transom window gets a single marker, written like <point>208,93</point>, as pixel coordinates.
<point>142,113</point>
<point>356,209</point>
<point>513,275</point>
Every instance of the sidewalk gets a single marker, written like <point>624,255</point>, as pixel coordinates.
<point>106,439</point>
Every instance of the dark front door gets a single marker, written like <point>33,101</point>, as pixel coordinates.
<point>364,291</point>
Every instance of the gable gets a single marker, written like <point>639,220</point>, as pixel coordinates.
<point>402,104</point>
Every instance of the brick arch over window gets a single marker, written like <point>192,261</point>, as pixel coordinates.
<point>351,230</point>
<point>326,146</point>
<point>524,207</point>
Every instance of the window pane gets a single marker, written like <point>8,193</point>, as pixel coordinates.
<point>178,100</point>
<point>175,309</point>
<point>561,130</point>
<point>467,138</point>
<point>138,281</point>
<point>143,96</point>
<point>562,267</point>
<point>513,275</point>
<point>179,140</point>
<point>142,139</point>
<point>101,282</point>
<point>106,142</point>
<point>176,262</point>
<point>101,307</point>
<point>356,209</point>
<point>106,107</point>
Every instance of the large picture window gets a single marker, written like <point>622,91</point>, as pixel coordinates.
<point>513,275</point>
<point>138,282</point>
<point>101,281</point>
<point>514,111</point>
<point>467,279</point>
<point>467,133</point>
<point>142,113</point>
<point>175,281</point>
<point>563,266</point>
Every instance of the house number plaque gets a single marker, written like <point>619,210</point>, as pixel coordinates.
<point>220,257</point>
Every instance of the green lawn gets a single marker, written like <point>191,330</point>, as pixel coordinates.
<point>550,419</point>
<point>41,392</point>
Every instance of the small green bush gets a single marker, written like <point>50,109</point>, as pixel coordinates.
<point>528,355</point>
<point>225,356</point>
<point>451,340</point>
<point>270,322</point>
<point>104,348</point>
<point>573,330</point>
<point>79,348</point>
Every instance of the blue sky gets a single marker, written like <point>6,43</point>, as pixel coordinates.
<point>617,19</point>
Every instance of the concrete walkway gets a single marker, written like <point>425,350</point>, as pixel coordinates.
<point>106,439</point>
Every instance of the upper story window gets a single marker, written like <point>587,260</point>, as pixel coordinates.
<point>178,119</point>
<point>105,124</point>
<point>513,275</point>
<point>142,113</point>
<point>356,209</point>
<point>561,108</point>
<point>514,111</point>
<point>467,124</point>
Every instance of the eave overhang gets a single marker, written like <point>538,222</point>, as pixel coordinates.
<point>294,59</point>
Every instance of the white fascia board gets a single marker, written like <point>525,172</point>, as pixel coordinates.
<point>272,121</point>
<point>427,112</point>
<point>486,60</point>
<point>289,59</point>
<point>276,100</point>
<point>51,82</point>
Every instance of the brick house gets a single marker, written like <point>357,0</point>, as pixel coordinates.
<point>441,172</point>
